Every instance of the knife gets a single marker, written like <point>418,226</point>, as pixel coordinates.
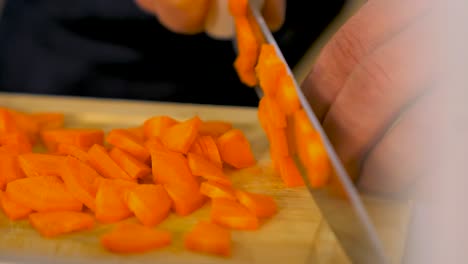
<point>346,216</point>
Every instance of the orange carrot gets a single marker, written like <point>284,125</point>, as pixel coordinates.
<point>17,140</point>
<point>26,124</point>
<point>238,8</point>
<point>289,172</point>
<point>132,166</point>
<point>82,138</point>
<point>248,47</point>
<point>43,194</point>
<point>13,210</point>
<point>110,200</point>
<point>180,137</point>
<point>49,120</point>
<point>154,144</point>
<point>214,128</point>
<point>71,150</point>
<point>233,215</point>
<point>315,159</point>
<point>81,181</point>
<point>235,150</point>
<point>129,143</point>
<point>208,238</point>
<point>7,122</point>
<point>276,117</point>
<point>38,164</point>
<point>243,66</point>
<point>150,203</point>
<point>100,160</point>
<point>261,205</point>
<point>206,146</point>
<point>287,96</point>
<point>155,126</point>
<point>200,166</point>
<point>52,224</point>
<point>216,190</point>
<point>279,142</point>
<point>9,169</point>
<point>269,69</point>
<point>138,132</point>
<point>133,238</point>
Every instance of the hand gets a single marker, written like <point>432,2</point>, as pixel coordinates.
<point>370,89</point>
<point>190,16</point>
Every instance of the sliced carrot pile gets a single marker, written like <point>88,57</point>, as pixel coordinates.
<point>38,164</point>
<point>216,190</point>
<point>201,166</point>
<point>10,169</point>
<point>101,161</point>
<point>214,128</point>
<point>132,166</point>
<point>261,205</point>
<point>110,200</point>
<point>206,237</point>
<point>231,214</point>
<point>71,150</point>
<point>180,137</point>
<point>155,126</point>
<point>83,138</point>
<point>52,224</point>
<point>125,140</point>
<point>128,238</point>
<point>49,120</point>
<point>235,149</point>
<point>12,209</point>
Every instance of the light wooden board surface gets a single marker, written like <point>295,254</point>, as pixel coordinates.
<point>297,234</point>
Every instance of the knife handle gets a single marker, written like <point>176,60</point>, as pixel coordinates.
<point>219,22</point>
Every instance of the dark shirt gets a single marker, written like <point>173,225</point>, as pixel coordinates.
<point>110,48</point>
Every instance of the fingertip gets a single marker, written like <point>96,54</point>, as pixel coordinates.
<point>274,12</point>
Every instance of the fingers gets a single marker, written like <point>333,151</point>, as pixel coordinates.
<point>376,22</point>
<point>274,13</point>
<point>377,90</point>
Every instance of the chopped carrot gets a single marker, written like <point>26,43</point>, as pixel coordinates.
<point>214,128</point>
<point>154,144</point>
<point>200,166</point>
<point>263,117</point>
<point>43,194</point>
<point>269,70</point>
<point>49,120</point>
<point>261,205</point>
<point>7,122</point>
<point>235,150</point>
<point>16,140</point>
<point>238,8</point>
<point>52,224</point>
<point>81,181</point>
<point>82,138</point>
<point>185,200</point>
<point>138,132</point>
<point>180,137</point>
<point>110,200</point>
<point>129,143</point>
<point>100,160</point>
<point>302,125</point>
<point>133,167</point>
<point>150,203</point>
<point>13,210</point>
<point>315,159</point>
<point>290,173</point>
<point>249,49</point>
<point>216,190</point>
<point>10,169</point>
<point>206,146</point>
<point>243,65</point>
<point>133,238</point>
<point>276,117</point>
<point>209,238</point>
<point>39,164</point>
<point>26,124</point>
<point>287,96</point>
<point>155,126</point>
<point>71,150</point>
<point>231,214</point>
<point>279,142</point>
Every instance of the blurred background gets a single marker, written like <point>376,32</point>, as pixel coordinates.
<point>112,49</point>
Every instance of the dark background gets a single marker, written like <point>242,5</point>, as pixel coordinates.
<point>110,48</point>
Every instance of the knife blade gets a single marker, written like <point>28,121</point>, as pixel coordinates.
<point>346,217</point>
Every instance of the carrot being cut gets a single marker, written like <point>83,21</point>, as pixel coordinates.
<point>124,140</point>
<point>135,168</point>
<point>286,95</point>
<point>13,210</point>
<point>289,172</point>
<point>279,142</point>
<point>100,160</point>
<point>81,181</point>
<point>248,50</point>
<point>206,146</point>
<point>155,126</point>
<point>43,194</point>
<point>261,205</point>
<point>201,166</point>
<point>111,206</point>
<point>315,159</point>
<point>49,120</point>
<point>10,169</point>
<point>82,138</point>
<point>214,128</point>
<point>39,164</point>
<point>231,214</point>
<point>235,150</point>
<point>150,203</point>
<point>269,69</point>
<point>238,8</point>
<point>276,117</point>
<point>181,136</point>
<point>216,190</point>
<point>71,150</point>
<point>52,224</point>
<point>206,237</point>
<point>129,238</point>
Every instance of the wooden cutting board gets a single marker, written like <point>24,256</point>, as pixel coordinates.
<point>297,234</point>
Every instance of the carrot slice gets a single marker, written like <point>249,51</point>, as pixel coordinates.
<point>287,96</point>
<point>16,140</point>
<point>150,203</point>
<point>263,206</point>
<point>289,172</point>
<point>233,215</point>
<point>185,200</point>
<point>315,159</point>
<point>7,122</point>
<point>138,132</point>
<point>155,126</point>
<point>132,166</point>
<point>52,224</point>
<point>38,164</point>
<point>269,69</point>
<point>13,210</point>
<point>133,238</point>
<point>238,8</point>
<point>279,142</point>
<point>249,49</point>
<point>43,194</point>
<point>276,117</point>
<point>216,190</point>
<point>82,138</point>
<point>110,200</point>
<point>81,181</point>
<point>209,238</point>
<point>154,144</point>
<point>302,125</point>
<point>235,150</point>
<point>71,150</point>
<point>243,66</point>
<point>124,140</point>
<point>214,128</point>
<point>206,146</point>
<point>200,166</point>
<point>26,124</point>
<point>180,137</point>
<point>10,169</point>
<point>100,160</point>
<point>49,120</point>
